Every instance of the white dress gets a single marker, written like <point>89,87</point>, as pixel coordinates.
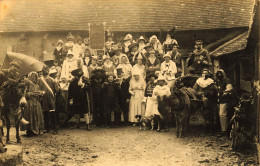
<point>136,89</point>
<point>68,66</point>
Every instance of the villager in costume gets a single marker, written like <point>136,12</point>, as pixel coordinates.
<point>108,65</point>
<point>97,80</point>
<point>111,91</point>
<point>141,44</point>
<point>205,90</point>
<point>152,63</point>
<point>168,43</point>
<point>123,72</point>
<point>58,53</point>
<point>198,59</point>
<point>133,53</point>
<point>176,58</point>
<point>87,57</point>
<point>136,89</point>
<point>225,99</point>
<point>150,102</point>
<point>33,112</point>
<point>77,95</point>
<point>50,87</point>
<point>160,90</point>
<point>139,66</point>
<point>92,66</point>
<point>78,48</point>
<point>156,45</point>
<point>68,66</point>
<point>168,70</point>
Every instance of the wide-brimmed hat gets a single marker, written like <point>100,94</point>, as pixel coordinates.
<point>77,72</point>
<point>16,63</point>
<point>53,70</point>
<point>99,69</point>
<point>167,55</point>
<point>70,53</point>
<point>133,45</point>
<point>161,78</point>
<point>141,38</point>
<point>60,41</point>
<point>148,46</point>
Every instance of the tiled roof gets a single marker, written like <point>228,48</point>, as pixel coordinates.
<point>236,44</point>
<point>123,15</point>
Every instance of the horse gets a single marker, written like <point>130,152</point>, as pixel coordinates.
<point>13,95</point>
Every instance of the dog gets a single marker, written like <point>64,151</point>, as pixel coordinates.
<point>145,122</point>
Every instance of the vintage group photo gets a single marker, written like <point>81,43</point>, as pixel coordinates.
<point>129,83</point>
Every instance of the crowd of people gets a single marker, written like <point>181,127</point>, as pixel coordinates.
<point>111,85</point>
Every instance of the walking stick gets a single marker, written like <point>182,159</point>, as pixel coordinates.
<point>88,116</point>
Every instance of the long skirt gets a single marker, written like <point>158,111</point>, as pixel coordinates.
<point>33,113</point>
<point>150,106</point>
<point>135,106</point>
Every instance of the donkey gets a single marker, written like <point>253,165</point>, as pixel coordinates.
<point>13,95</point>
<point>179,103</point>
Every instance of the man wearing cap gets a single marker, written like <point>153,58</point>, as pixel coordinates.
<point>168,70</point>
<point>68,66</point>
<point>198,59</point>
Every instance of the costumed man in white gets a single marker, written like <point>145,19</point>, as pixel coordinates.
<point>168,70</point>
<point>68,66</point>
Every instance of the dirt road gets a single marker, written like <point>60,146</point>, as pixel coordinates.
<point>128,146</point>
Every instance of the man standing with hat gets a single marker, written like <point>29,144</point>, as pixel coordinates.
<point>198,59</point>
<point>77,95</point>
<point>168,70</point>
<point>97,79</point>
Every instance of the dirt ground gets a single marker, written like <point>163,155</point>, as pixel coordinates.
<point>129,146</point>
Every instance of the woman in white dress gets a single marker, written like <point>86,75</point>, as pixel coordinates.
<point>140,67</point>
<point>136,89</point>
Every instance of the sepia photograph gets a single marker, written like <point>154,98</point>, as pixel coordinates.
<point>129,83</point>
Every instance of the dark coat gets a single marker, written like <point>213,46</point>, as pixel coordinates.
<point>79,96</point>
